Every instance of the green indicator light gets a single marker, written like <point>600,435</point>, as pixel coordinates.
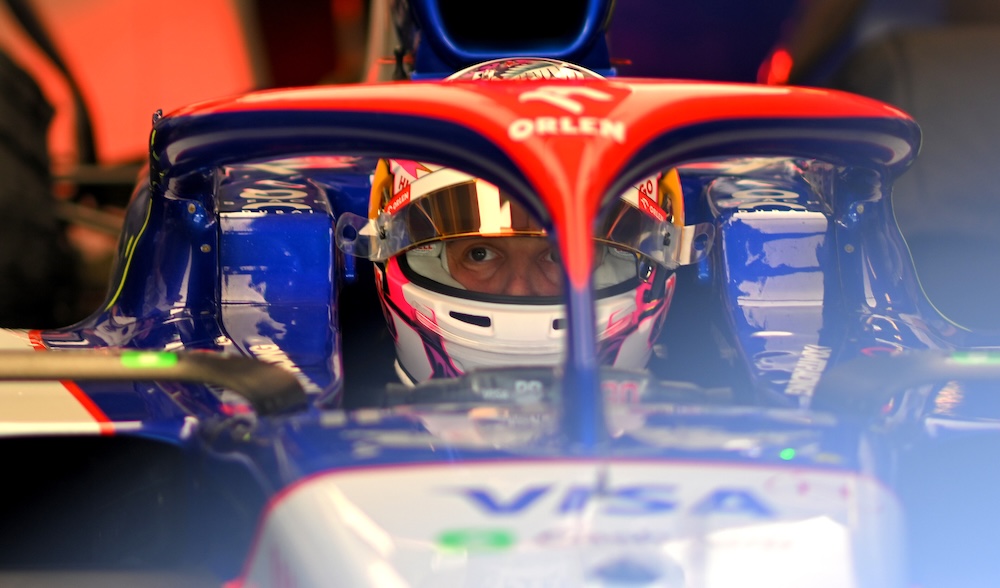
<point>787,453</point>
<point>148,359</point>
<point>975,357</point>
<point>476,540</point>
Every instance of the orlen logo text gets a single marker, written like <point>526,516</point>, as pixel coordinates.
<point>565,98</point>
<point>633,500</point>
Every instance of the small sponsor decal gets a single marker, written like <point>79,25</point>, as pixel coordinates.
<point>275,194</point>
<point>647,200</point>
<point>808,370</point>
<point>401,199</point>
<point>476,540</point>
<point>271,196</point>
<point>577,536</point>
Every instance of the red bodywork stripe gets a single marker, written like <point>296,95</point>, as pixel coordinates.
<point>104,424</point>
<point>35,337</point>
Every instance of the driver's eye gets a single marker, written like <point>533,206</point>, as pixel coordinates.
<point>552,255</point>
<point>480,254</point>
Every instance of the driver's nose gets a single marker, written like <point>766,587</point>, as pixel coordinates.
<point>517,284</point>
<point>527,279</point>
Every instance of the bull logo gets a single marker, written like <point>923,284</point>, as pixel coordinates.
<point>562,97</point>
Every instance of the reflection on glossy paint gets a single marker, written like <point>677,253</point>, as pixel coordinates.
<point>356,520</point>
<point>948,399</point>
<point>737,553</point>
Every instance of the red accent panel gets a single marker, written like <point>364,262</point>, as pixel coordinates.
<point>35,337</point>
<point>103,422</point>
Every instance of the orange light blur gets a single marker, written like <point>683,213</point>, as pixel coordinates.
<point>776,68</point>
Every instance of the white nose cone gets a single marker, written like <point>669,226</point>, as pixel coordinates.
<point>581,523</point>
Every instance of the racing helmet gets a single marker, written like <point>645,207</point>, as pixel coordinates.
<point>524,68</point>
<point>454,255</point>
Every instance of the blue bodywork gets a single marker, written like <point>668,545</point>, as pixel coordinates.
<point>228,247</point>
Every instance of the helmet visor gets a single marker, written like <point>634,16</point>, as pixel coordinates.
<point>440,206</point>
<point>446,204</point>
<point>646,232</point>
<point>520,266</point>
<point>473,208</point>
